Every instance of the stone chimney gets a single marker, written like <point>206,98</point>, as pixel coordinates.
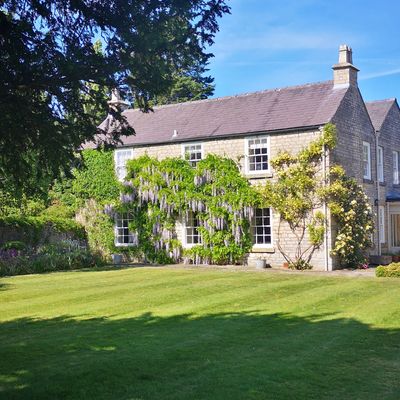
<point>344,72</point>
<point>116,101</point>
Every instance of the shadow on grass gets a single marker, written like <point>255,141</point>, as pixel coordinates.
<point>235,356</point>
<point>4,286</point>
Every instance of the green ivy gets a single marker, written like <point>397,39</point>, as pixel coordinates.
<point>98,227</point>
<point>93,179</point>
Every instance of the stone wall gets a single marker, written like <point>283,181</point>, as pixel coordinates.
<point>389,139</point>
<point>234,148</point>
<point>32,237</point>
<point>353,127</point>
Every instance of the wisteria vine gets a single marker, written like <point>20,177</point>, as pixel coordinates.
<point>160,193</point>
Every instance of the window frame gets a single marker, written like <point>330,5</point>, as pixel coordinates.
<point>186,226</point>
<point>253,226</point>
<point>395,156</point>
<point>247,156</point>
<point>382,236</point>
<point>119,216</point>
<point>368,146</point>
<point>184,152</point>
<point>116,166</point>
<point>379,162</point>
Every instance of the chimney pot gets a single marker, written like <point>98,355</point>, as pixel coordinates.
<point>345,54</point>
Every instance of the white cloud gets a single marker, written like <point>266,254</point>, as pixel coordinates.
<point>380,74</point>
<point>285,39</point>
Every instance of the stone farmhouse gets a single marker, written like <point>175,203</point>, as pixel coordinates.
<point>254,127</point>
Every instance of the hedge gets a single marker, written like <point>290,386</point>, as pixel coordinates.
<point>33,228</point>
<point>391,271</point>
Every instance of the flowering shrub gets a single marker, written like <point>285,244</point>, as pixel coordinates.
<point>299,192</point>
<point>350,207</point>
<point>296,196</point>
<point>158,193</point>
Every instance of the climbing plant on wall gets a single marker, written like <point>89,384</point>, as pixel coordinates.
<point>295,195</point>
<point>298,194</point>
<point>159,193</point>
<point>350,207</point>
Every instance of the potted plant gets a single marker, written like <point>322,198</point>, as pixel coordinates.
<point>116,259</point>
<point>260,263</point>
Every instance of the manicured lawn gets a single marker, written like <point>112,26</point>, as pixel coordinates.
<point>159,333</point>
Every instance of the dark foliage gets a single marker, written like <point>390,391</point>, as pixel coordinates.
<point>47,60</point>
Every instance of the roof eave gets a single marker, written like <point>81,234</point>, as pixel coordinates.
<point>230,136</point>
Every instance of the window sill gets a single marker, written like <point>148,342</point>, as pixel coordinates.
<point>261,175</point>
<point>269,249</point>
<point>189,246</point>
<point>369,181</point>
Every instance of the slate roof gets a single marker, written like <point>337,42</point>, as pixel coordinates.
<point>288,108</point>
<point>378,111</point>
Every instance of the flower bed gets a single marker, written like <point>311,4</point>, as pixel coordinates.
<point>65,255</point>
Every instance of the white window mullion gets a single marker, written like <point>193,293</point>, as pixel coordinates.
<point>382,224</point>
<point>123,237</point>
<point>395,167</point>
<point>380,164</point>
<point>367,160</point>
<point>193,153</point>
<point>257,154</point>
<point>262,227</point>
<point>192,235</point>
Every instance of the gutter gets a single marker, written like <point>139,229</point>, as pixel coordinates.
<point>378,192</point>
<point>219,137</point>
<point>326,238</point>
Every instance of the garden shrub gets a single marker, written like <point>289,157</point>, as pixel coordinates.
<point>65,255</point>
<point>98,226</point>
<point>391,271</point>
<point>300,265</point>
<point>350,207</point>
<point>58,210</point>
<point>35,230</point>
<point>14,245</point>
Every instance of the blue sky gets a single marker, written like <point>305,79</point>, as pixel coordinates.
<point>268,43</point>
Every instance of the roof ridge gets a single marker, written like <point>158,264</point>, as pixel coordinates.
<point>215,99</point>
<point>391,99</point>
